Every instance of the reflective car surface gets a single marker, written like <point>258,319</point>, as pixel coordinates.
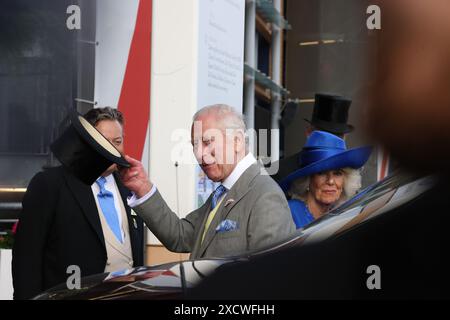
<point>170,281</point>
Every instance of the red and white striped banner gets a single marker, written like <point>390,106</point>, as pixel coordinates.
<point>122,66</point>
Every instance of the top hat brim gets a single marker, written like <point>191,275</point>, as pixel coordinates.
<point>353,158</point>
<point>84,151</point>
<point>333,127</point>
<point>97,141</point>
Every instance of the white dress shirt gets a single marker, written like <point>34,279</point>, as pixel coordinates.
<point>228,183</point>
<point>237,172</point>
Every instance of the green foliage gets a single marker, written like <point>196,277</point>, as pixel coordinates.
<point>7,240</point>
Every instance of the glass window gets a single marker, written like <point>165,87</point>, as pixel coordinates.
<point>41,61</point>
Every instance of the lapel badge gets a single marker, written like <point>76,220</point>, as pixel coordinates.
<point>229,201</point>
<point>133,213</point>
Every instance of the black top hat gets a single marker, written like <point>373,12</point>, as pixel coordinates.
<point>84,151</point>
<point>331,113</point>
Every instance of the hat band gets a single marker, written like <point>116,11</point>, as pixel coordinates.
<point>330,126</point>
<point>311,156</point>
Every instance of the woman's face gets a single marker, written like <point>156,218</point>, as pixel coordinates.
<point>326,187</point>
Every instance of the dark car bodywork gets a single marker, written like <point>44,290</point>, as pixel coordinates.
<point>172,280</point>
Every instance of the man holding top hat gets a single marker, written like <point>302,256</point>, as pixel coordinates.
<point>77,214</point>
<point>246,212</point>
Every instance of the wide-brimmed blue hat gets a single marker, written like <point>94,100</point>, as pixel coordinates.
<point>324,151</point>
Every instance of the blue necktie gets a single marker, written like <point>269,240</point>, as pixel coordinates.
<point>220,190</point>
<point>106,201</point>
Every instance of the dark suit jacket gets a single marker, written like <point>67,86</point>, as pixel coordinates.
<point>59,226</point>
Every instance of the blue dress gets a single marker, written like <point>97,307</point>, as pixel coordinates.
<point>300,213</point>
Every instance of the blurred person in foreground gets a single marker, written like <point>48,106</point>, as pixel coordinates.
<point>410,99</point>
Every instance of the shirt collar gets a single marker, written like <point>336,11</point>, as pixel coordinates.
<point>240,168</point>
<point>109,178</point>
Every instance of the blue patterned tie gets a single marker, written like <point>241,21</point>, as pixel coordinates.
<point>220,190</point>
<point>106,201</point>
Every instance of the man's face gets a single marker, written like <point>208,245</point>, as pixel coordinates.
<point>214,150</point>
<point>111,130</point>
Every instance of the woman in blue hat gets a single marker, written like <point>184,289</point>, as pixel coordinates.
<point>326,174</point>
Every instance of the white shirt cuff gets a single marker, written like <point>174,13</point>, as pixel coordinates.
<point>134,201</point>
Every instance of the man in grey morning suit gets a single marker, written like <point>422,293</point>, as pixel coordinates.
<point>248,211</point>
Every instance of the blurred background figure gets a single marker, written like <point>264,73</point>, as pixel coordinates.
<point>326,175</point>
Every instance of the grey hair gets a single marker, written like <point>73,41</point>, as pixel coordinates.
<point>228,116</point>
<point>96,115</point>
<point>352,183</point>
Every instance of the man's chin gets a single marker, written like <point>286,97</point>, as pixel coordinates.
<point>215,178</point>
<point>211,174</point>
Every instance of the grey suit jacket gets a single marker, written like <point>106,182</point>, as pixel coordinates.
<point>255,202</point>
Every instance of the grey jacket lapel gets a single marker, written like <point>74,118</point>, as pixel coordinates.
<point>198,240</point>
<point>236,194</point>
